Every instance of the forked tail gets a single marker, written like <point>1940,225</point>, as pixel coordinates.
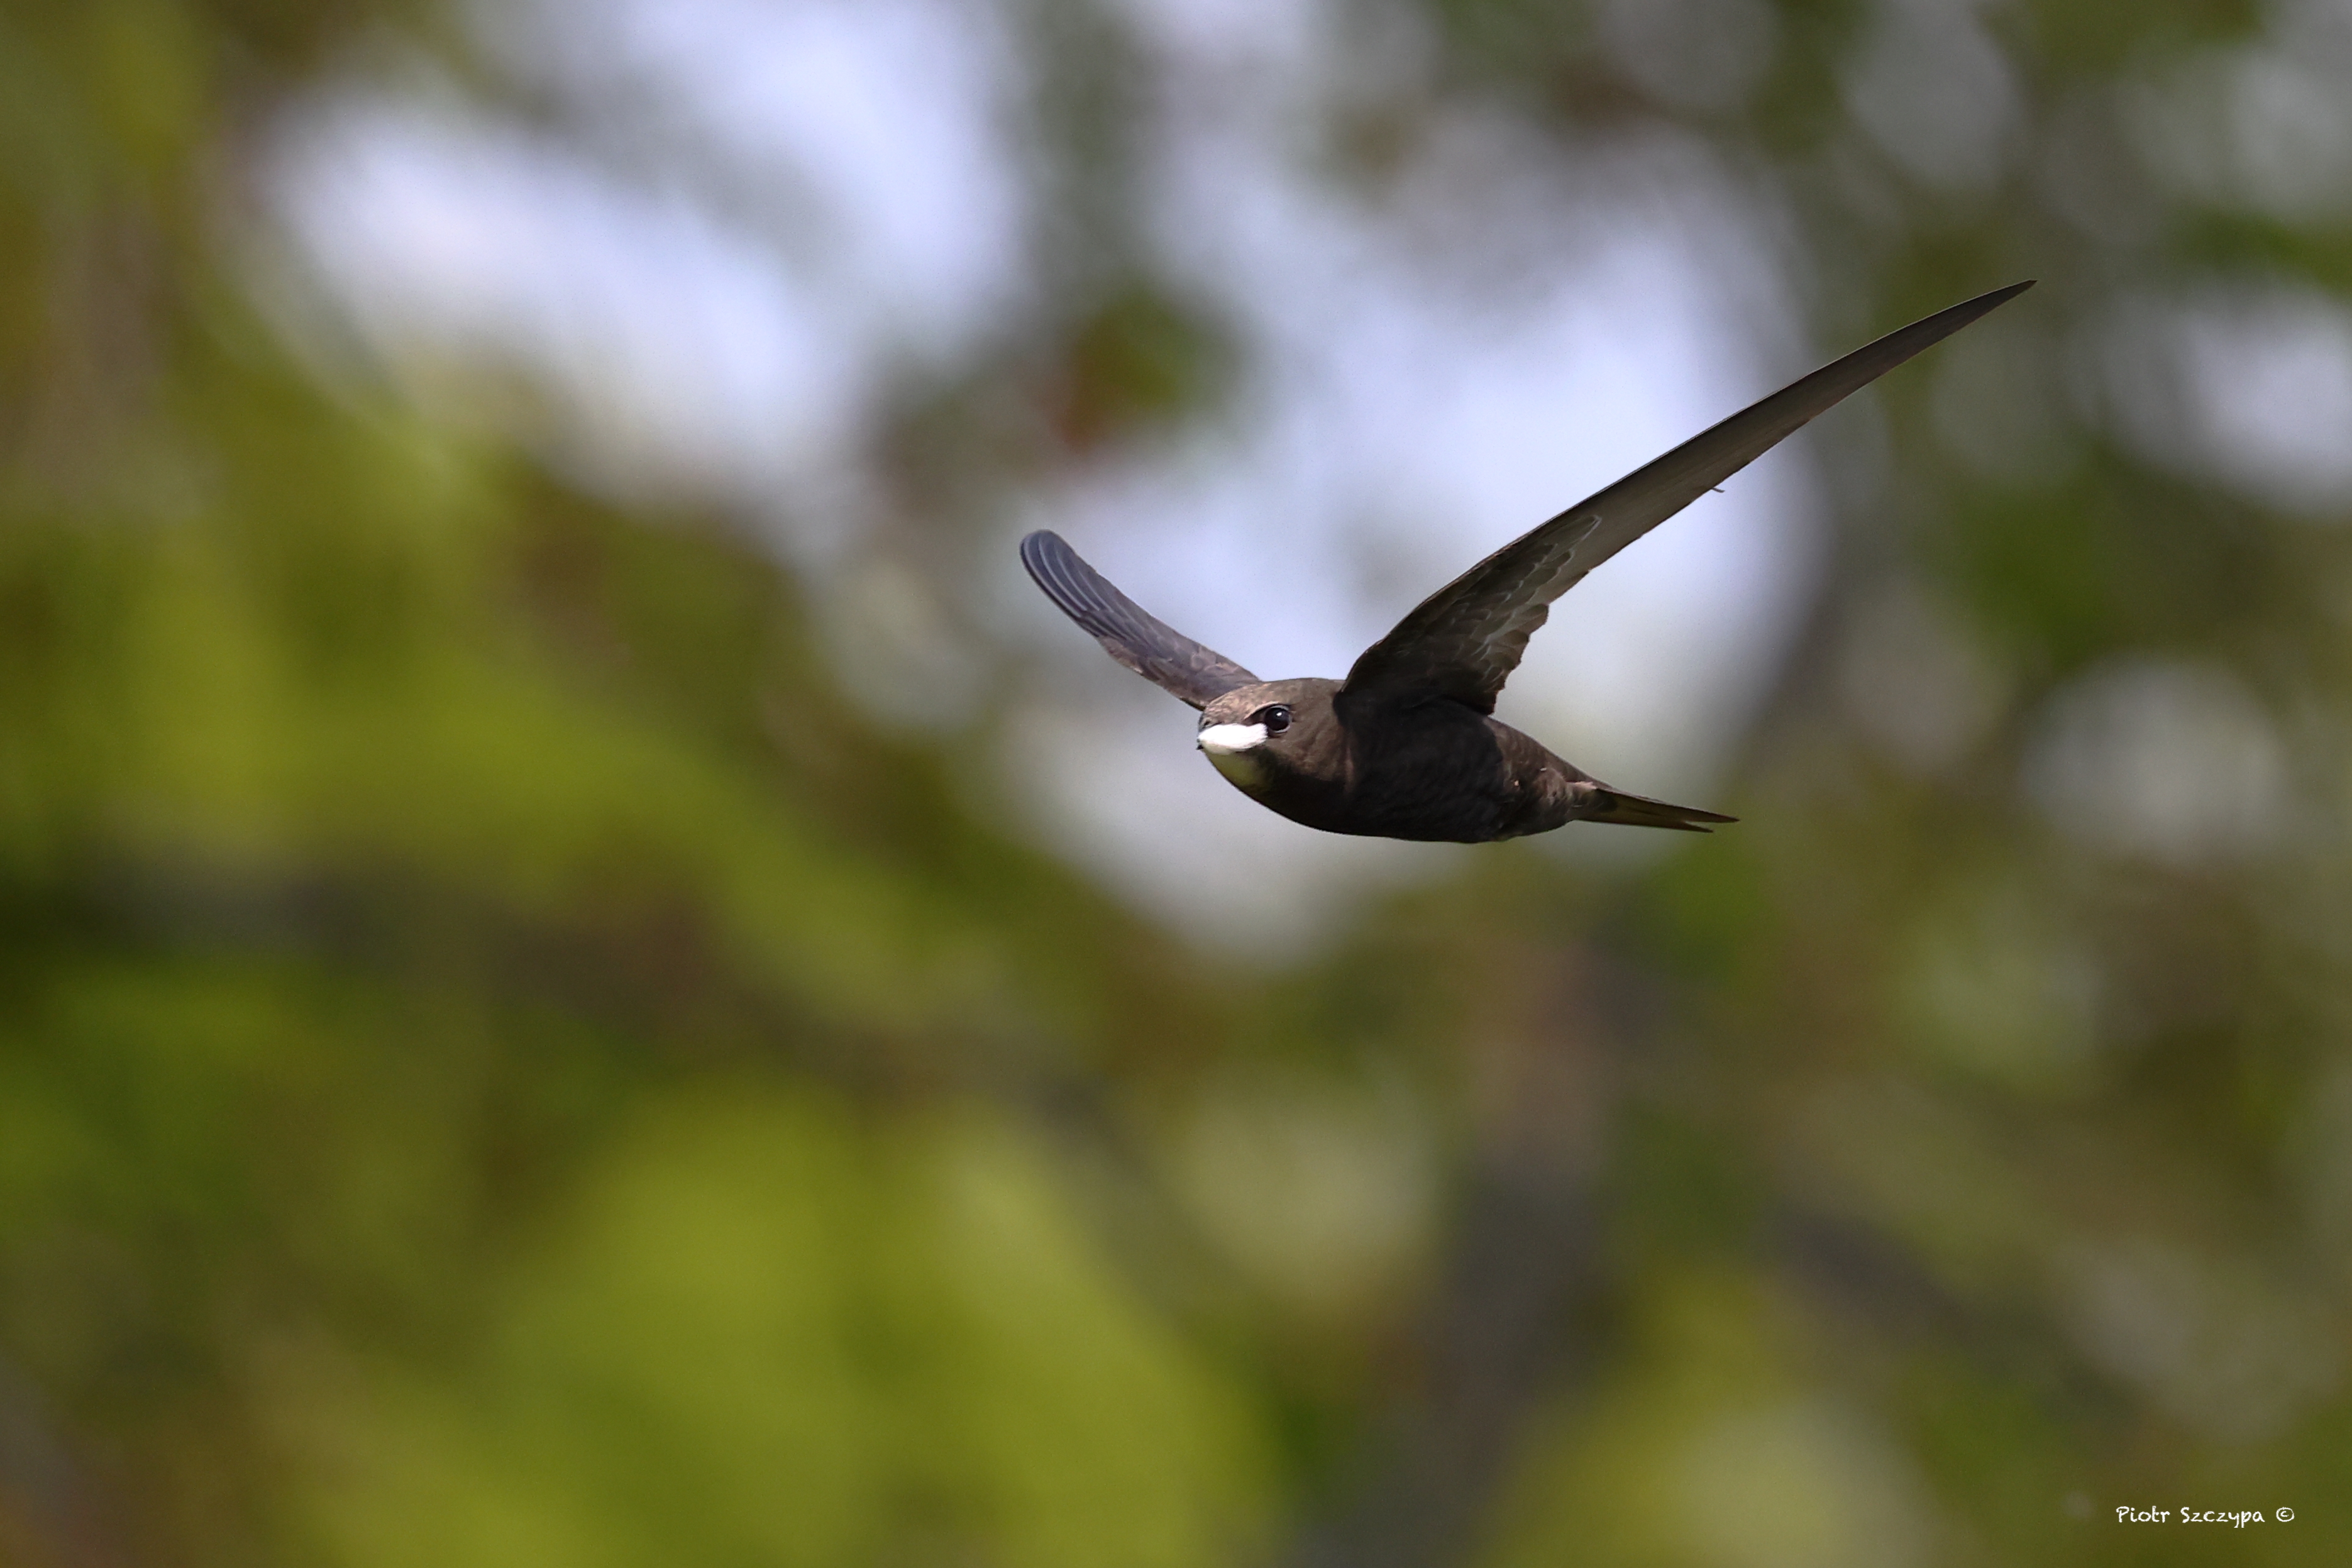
<point>1638,811</point>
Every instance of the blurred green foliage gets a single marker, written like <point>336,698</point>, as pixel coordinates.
<point>501,1062</point>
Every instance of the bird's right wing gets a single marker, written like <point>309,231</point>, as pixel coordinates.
<point>1464,641</point>
<point>1129,633</point>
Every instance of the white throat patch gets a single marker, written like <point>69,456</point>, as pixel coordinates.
<point>1230,738</point>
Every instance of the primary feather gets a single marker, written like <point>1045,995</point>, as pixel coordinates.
<point>1464,641</point>
<point>1127,632</point>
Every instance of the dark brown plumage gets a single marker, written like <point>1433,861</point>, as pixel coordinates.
<point>1407,747</point>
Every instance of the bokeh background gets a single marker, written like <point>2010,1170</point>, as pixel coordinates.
<point>593,978</point>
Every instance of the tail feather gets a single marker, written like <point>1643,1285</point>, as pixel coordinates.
<point>1640,811</point>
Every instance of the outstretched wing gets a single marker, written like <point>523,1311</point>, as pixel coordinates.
<point>1465,641</point>
<point>1146,644</point>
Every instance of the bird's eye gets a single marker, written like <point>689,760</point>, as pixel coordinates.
<point>1275,719</point>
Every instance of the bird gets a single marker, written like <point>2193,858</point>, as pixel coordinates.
<point>1407,746</point>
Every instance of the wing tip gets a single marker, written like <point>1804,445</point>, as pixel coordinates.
<point>1039,544</point>
<point>1968,311</point>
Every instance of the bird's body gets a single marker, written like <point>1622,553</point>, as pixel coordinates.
<point>1408,746</point>
<point>1429,770</point>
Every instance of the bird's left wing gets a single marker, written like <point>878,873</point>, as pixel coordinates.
<point>1464,641</point>
<point>1129,633</point>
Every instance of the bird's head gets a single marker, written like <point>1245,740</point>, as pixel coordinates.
<point>1255,733</point>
